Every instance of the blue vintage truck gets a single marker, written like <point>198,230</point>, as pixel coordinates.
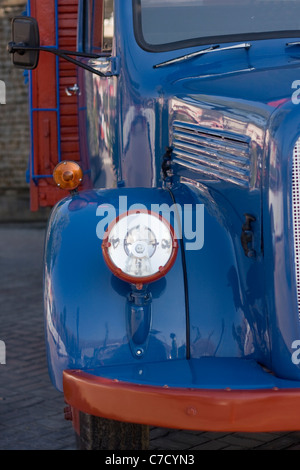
<point>171,269</point>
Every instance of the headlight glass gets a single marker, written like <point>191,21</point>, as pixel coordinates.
<point>140,246</point>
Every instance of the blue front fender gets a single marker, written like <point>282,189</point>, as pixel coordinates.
<point>202,307</point>
<point>85,304</point>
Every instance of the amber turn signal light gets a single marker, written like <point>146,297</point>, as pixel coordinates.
<point>68,175</point>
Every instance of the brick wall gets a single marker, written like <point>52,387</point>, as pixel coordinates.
<point>14,128</point>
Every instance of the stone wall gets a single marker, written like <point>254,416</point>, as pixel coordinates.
<point>14,128</point>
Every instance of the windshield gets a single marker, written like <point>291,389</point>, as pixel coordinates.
<point>170,24</point>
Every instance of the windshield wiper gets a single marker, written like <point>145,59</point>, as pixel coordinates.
<point>217,48</point>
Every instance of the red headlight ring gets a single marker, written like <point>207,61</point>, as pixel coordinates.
<point>139,281</point>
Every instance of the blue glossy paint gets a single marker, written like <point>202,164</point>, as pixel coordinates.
<point>86,305</point>
<point>215,303</point>
<point>204,373</point>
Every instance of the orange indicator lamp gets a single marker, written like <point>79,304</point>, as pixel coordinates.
<point>68,175</point>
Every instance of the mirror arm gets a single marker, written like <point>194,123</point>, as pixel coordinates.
<point>13,47</point>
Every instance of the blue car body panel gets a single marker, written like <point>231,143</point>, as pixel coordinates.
<point>232,127</point>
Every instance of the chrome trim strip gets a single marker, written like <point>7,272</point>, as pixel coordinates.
<point>296,214</point>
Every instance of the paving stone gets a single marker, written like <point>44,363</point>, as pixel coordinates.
<point>166,443</point>
<point>190,439</point>
<point>294,447</point>
<point>282,443</point>
<point>234,448</point>
<point>158,432</point>
<point>214,444</point>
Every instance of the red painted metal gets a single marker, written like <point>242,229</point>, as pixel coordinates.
<point>47,126</point>
<point>265,410</point>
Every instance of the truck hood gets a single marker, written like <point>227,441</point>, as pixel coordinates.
<point>235,111</point>
<point>270,86</point>
<point>265,74</point>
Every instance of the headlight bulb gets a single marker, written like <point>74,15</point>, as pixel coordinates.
<point>140,247</point>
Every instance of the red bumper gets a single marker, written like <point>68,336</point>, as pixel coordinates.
<point>266,410</point>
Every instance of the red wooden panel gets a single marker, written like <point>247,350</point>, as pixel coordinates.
<point>68,77</point>
<point>43,82</point>
<point>44,95</point>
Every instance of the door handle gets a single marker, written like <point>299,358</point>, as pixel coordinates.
<point>72,90</point>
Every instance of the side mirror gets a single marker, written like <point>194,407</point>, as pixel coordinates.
<point>25,42</point>
<point>25,47</point>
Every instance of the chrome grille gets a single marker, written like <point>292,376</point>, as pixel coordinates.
<point>213,153</point>
<point>296,214</point>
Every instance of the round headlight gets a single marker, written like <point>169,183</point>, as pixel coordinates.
<point>139,247</point>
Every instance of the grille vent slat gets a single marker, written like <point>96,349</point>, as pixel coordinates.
<point>220,155</point>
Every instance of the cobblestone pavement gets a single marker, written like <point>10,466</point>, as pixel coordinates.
<point>31,410</point>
